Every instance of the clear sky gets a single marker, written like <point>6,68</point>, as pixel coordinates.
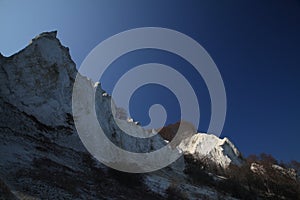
<point>255,44</point>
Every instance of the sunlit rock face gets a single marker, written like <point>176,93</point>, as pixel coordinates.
<point>220,151</point>
<point>203,146</point>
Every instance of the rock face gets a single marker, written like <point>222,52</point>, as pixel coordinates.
<point>38,80</point>
<point>291,173</point>
<point>257,168</point>
<point>205,146</point>
<point>41,155</point>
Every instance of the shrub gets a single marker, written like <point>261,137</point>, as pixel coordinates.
<point>127,179</point>
<point>195,169</point>
<point>173,193</point>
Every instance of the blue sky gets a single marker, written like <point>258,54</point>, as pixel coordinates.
<point>255,44</point>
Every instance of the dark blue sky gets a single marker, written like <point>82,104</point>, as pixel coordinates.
<point>255,44</point>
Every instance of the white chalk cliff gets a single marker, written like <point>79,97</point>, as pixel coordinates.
<point>41,155</point>
<point>220,151</point>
